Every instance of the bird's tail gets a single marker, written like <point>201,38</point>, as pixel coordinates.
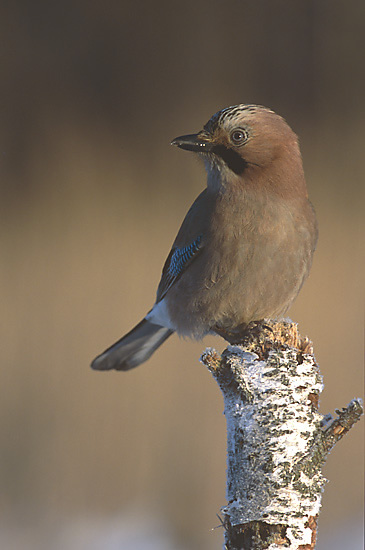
<point>134,348</point>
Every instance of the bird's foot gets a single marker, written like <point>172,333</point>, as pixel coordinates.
<point>243,333</point>
<point>261,336</point>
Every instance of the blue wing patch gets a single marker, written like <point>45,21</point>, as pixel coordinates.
<point>182,256</point>
<point>175,265</point>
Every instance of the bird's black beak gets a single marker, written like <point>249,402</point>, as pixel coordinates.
<point>193,142</point>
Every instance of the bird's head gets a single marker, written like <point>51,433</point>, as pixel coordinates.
<point>240,137</point>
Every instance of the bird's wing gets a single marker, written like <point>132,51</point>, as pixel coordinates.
<point>189,242</point>
<point>178,260</point>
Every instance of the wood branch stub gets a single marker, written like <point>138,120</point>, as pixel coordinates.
<point>277,441</point>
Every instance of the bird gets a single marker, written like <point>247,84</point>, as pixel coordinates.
<point>246,244</point>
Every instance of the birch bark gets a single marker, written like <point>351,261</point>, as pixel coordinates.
<point>277,441</point>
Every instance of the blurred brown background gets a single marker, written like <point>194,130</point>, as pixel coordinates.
<point>92,195</point>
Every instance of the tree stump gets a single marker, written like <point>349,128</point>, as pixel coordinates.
<point>277,441</point>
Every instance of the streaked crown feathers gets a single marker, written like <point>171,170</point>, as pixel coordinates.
<point>229,113</point>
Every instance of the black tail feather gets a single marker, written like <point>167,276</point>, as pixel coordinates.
<point>134,348</point>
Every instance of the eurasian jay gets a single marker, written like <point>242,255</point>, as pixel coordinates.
<point>245,246</point>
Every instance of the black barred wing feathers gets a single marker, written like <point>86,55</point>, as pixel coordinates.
<point>175,265</point>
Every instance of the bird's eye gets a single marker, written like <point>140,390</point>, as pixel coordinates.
<point>239,136</point>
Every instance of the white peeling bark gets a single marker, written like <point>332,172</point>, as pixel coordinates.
<point>270,429</point>
<point>277,441</point>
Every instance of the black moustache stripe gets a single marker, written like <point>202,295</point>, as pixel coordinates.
<point>233,160</point>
